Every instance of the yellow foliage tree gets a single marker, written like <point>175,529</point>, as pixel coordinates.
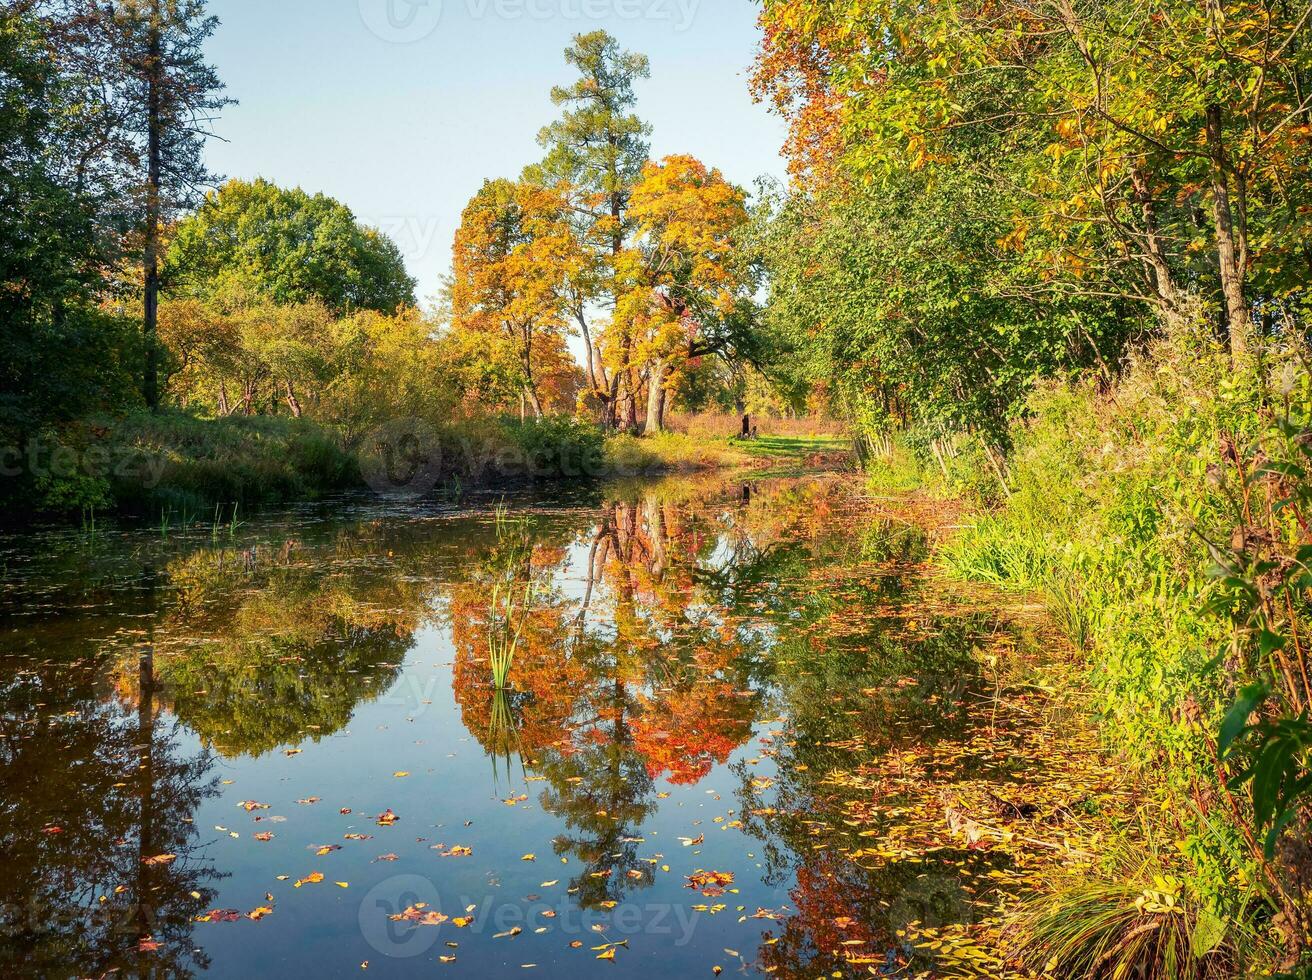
<point>514,255</point>
<point>687,284</point>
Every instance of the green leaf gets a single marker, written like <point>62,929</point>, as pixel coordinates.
<point>1236,719</point>
<point>1209,933</point>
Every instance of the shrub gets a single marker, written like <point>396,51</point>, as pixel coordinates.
<point>1113,496</point>
<point>187,463</point>
<point>557,446</point>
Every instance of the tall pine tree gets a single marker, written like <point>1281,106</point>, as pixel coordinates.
<point>168,98</point>
<point>598,147</point>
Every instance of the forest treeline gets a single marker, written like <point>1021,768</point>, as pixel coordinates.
<point>1055,255</point>
<point>181,339</point>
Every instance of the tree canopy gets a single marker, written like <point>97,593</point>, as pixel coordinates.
<point>254,239</point>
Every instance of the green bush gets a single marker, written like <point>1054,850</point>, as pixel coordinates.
<point>557,446</point>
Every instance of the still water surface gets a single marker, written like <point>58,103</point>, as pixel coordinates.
<point>242,751</point>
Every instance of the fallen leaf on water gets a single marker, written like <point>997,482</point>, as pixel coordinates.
<point>712,884</point>
<point>311,879</point>
<point>250,805</point>
<point>422,915</point>
<point>259,913</point>
<point>159,859</point>
<point>265,836</point>
<point>220,915</point>
<point>308,801</point>
<point>387,818</point>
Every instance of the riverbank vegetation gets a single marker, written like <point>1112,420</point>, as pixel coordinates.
<point>1053,258</point>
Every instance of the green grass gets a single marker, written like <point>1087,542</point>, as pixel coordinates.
<point>786,447</point>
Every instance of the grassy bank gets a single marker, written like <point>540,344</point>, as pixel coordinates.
<point>181,464</point>
<point>1118,504</point>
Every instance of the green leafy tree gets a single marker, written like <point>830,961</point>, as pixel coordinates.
<point>164,101</point>
<point>254,240</point>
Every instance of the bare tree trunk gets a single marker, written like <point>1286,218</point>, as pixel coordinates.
<point>1237,315</point>
<point>154,168</point>
<point>224,408</point>
<point>292,402</point>
<point>1154,252</point>
<point>628,416</point>
<point>530,383</point>
<point>596,372</point>
<point>534,401</point>
<point>656,396</point>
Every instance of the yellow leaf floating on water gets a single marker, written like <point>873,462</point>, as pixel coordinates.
<point>312,879</point>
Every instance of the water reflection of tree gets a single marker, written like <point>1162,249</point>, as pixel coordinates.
<point>644,672</point>
<point>96,793</point>
<point>295,640</point>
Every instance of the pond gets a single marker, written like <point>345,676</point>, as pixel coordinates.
<point>665,729</point>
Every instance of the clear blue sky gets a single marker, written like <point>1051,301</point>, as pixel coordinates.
<point>401,109</point>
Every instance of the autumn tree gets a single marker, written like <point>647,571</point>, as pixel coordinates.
<point>514,254</point>
<point>1152,152</point>
<point>692,292</point>
<point>598,148</point>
